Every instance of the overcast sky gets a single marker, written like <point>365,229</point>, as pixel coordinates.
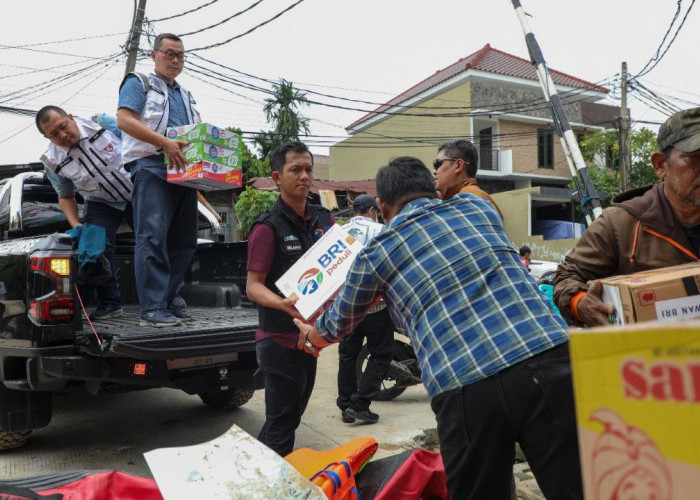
<point>369,50</point>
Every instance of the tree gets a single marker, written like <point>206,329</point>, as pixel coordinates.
<point>605,145</point>
<point>282,112</point>
<point>251,204</point>
<point>251,165</point>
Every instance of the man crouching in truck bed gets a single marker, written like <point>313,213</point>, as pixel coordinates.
<point>85,155</point>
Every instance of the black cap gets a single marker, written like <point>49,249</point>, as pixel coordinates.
<point>363,203</point>
<point>681,130</point>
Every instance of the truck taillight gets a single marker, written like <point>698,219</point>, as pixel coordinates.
<point>55,302</point>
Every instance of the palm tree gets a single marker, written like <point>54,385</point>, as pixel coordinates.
<point>282,112</point>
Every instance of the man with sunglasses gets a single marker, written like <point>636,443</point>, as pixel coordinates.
<point>455,171</point>
<point>165,215</point>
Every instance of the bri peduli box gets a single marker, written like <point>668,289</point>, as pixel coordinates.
<point>206,132</point>
<point>209,166</point>
<point>317,276</point>
<point>665,294</point>
<point>637,396</point>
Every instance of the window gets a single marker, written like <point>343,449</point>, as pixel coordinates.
<point>545,148</point>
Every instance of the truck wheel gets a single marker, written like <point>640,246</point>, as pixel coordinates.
<point>9,440</point>
<point>226,400</point>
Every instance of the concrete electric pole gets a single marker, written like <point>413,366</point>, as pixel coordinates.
<point>132,45</point>
<point>624,130</point>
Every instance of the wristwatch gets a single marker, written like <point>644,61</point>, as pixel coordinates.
<point>308,343</point>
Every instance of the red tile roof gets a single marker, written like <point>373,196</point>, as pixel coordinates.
<point>489,60</point>
<point>364,186</point>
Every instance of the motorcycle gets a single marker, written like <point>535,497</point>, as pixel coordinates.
<point>404,370</point>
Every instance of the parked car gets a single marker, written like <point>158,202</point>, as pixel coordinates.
<point>47,346</point>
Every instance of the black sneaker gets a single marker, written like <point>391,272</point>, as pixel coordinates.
<point>107,312</point>
<point>178,308</point>
<point>365,416</point>
<point>347,419</point>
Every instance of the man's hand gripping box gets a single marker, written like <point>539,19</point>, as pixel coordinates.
<point>637,392</point>
<point>665,294</point>
<point>317,276</point>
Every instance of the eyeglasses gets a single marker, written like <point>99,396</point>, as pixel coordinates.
<point>181,56</point>
<point>439,161</point>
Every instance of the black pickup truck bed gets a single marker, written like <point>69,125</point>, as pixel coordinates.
<point>207,333</point>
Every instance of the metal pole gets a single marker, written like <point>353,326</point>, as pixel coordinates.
<point>561,123</point>
<point>132,44</point>
<point>624,130</point>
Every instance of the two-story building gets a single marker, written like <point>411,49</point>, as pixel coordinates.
<point>495,100</point>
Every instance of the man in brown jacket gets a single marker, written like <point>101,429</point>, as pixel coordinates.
<point>455,171</point>
<point>647,228</point>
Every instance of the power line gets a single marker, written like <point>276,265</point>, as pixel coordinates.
<point>184,13</point>
<point>656,58</point>
<point>6,47</point>
<point>223,21</point>
<point>250,30</point>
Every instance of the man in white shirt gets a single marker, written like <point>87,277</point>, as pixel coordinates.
<point>355,396</point>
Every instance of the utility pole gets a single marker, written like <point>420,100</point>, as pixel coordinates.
<point>132,44</point>
<point>624,130</point>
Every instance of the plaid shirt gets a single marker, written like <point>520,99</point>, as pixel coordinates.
<point>454,283</point>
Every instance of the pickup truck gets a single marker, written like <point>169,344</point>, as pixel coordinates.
<point>47,345</point>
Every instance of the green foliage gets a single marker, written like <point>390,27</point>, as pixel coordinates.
<point>642,143</point>
<point>252,166</point>
<point>282,112</point>
<point>251,204</point>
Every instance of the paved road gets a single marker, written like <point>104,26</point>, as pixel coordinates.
<point>112,431</point>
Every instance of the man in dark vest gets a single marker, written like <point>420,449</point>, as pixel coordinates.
<point>278,239</point>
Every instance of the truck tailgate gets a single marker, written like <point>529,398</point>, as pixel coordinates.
<point>212,331</point>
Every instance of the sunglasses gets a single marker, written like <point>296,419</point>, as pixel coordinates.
<point>438,162</point>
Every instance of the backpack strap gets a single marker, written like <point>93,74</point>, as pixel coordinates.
<point>141,76</point>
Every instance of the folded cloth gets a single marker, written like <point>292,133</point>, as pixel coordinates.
<point>93,266</point>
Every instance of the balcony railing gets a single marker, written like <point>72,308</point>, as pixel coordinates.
<point>488,159</point>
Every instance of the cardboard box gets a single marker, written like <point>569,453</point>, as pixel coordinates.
<point>666,294</point>
<point>202,151</point>
<point>637,394</point>
<point>207,176</point>
<point>317,276</point>
<point>205,132</point>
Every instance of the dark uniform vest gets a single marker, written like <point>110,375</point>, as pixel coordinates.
<point>292,240</point>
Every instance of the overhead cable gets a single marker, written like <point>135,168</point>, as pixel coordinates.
<point>223,21</point>
<point>184,13</point>
<point>250,30</point>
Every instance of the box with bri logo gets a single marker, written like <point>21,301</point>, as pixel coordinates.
<point>665,294</point>
<point>318,275</point>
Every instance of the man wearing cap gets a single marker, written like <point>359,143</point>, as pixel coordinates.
<point>646,228</point>
<point>355,396</point>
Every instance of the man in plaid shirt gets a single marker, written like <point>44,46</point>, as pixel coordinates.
<point>493,353</point>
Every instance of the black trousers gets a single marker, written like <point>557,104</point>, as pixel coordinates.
<point>378,329</point>
<point>530,402</point>
<point>290,375</point>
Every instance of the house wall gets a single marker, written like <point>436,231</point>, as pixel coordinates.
<point>521,138</point>
<point>360,156</point>
<point>517,214</point>
<point>527,101</point>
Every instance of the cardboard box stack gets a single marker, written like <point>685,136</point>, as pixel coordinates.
<point>637,394</point>
<point>214,157</point>
<point>315,279</point>
<point>665,294</point>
